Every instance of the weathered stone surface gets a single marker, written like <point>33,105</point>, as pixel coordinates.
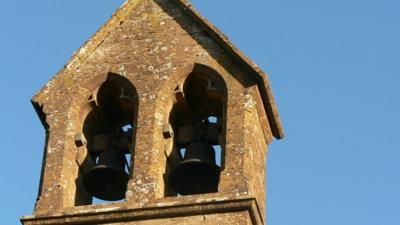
<point>210,211</point>
<point>155,45</point>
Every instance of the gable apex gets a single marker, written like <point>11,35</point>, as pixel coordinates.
<point>217,36</point>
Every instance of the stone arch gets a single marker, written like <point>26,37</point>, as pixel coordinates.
<point>218,90</point>
<point>204,78</point>
<point>108,114</point>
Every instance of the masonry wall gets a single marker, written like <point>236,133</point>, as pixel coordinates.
<point>239,218</point>
<point>155,47</point>
<point>257,139</point>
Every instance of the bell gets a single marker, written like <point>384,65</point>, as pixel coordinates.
<point>108,179</point>
<point>198,172</point>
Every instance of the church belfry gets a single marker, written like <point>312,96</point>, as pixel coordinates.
<point>157,119</point>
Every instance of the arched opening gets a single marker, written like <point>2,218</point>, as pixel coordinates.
<point>198,119</point>
<point>109,130</point>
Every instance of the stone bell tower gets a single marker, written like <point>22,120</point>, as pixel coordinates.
<point>157,119</point>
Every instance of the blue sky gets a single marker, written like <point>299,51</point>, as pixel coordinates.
<point>334,69</point>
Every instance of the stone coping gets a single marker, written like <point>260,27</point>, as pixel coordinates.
<point>123,213</point>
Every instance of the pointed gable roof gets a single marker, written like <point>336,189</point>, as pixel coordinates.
<point>253,70</point>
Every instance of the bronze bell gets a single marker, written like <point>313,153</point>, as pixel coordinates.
<point>198,172</point>
<point>108,179</point>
